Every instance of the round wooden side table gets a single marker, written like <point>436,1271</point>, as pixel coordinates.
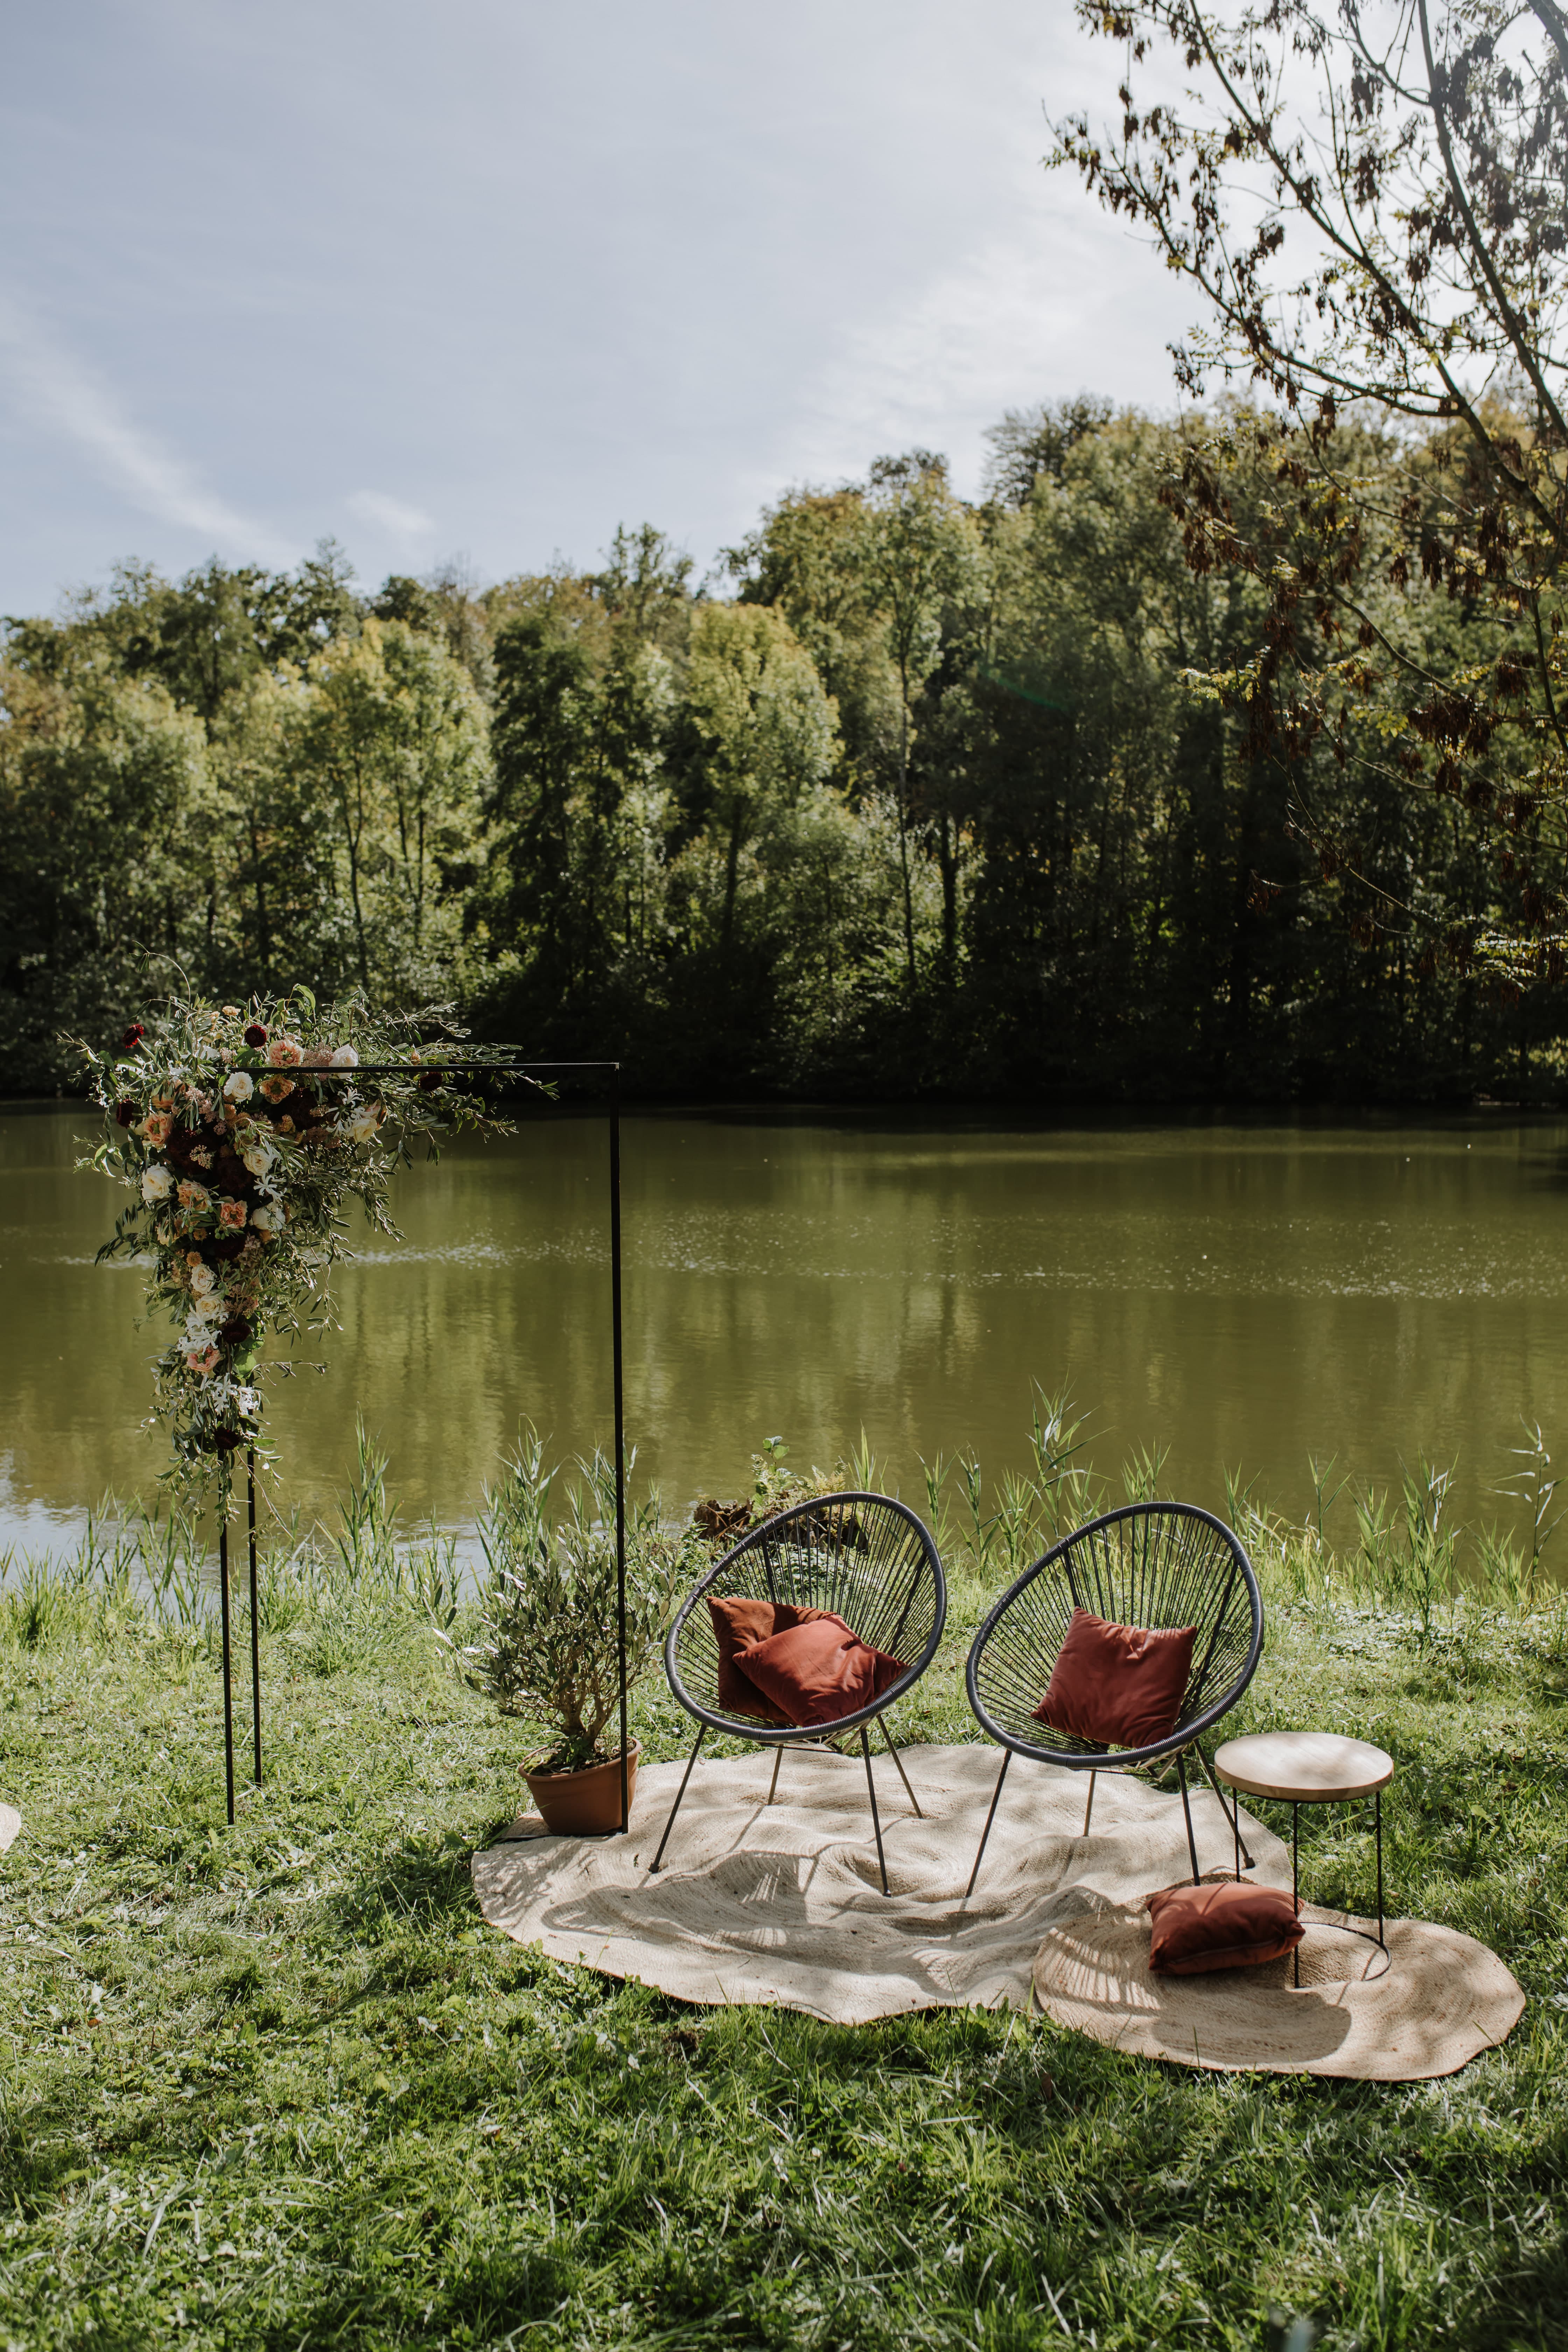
<point>1308,1768</point>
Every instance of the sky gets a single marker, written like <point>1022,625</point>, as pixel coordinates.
<point>476,282</point>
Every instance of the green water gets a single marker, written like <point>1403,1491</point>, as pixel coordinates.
<point>1244,1294</point>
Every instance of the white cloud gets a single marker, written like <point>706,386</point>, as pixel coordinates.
<point>1024,317</point>
<point>52,388</point>
<point>394,517</point>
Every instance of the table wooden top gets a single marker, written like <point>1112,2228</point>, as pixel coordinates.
<point>1309,1768</point>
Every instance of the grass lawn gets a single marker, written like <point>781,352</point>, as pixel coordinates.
<point>281,2086</point>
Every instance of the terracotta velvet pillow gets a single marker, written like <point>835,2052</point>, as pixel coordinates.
<point>819,1672</point>
<point>739,1621</point>
<point>1220,1927</point>
<point>1121,1683</point>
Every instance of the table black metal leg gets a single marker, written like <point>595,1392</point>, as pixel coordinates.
<point>1296,1878</point>
<point>1377,1801</point>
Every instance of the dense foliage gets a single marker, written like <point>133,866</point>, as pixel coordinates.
<point>1373,205</point>
<point>939,797</point>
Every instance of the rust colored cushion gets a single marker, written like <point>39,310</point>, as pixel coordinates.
<point>819,1672</point>
<point>1220,1927</point>
<point>739,1621</point>
<point>1117,1682</point>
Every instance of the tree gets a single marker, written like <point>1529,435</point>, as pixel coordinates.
<point>922,556</point>
<point>766,729</point>
<point>392,730</point>
<point>1407,248</point>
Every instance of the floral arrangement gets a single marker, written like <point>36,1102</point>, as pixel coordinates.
<point>241,1132</point>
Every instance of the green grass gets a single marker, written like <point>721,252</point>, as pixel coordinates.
<point>280,2086</point>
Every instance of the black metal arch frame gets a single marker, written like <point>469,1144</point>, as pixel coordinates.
<point>1199,1713</point>
<point>490,1068</point>
<point>763,1538</point>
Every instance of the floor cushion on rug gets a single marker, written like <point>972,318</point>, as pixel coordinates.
<point>1118,1683</point>
<point>1225,1926</point>
<point>738,1623</point>
<point>819,1672</point>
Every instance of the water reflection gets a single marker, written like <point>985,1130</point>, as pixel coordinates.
<point>1243,1292</point>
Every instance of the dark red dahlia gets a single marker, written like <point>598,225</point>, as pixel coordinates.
<point>124,1113</point>
<point>132,1037</point>
<point>430,1081</point>
<point>234,1332</point>
<point>255,1034</point>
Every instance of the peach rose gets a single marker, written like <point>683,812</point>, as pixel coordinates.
<point>231,1216</point>
<point>284,1053</point>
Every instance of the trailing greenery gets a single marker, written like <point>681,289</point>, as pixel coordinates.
<point>281,2086</point>
<point>921,796</point>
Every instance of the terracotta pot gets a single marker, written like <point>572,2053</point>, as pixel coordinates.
<point>585,1804</point>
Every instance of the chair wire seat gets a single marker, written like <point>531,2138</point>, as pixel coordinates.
<point>864,1557</point>
<point>1155,1565</point>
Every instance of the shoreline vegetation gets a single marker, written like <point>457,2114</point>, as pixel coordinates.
<point>914,797</point>
<point>281,2085</point>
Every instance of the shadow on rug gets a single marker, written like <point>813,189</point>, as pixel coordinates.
<point>1439,2000</point>
<point>783,1902</point>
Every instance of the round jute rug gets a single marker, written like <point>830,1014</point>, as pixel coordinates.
<point>1440,2000</point>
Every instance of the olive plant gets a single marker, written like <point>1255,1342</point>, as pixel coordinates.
<point>547,1647</point>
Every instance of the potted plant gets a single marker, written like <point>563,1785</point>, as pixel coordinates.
<point>547,1649</point>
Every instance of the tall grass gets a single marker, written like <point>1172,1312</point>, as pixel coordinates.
<point>347,1576</point>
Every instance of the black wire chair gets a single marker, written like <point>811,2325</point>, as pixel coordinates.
<point>1158,1565</point>
<point>864,1557</point>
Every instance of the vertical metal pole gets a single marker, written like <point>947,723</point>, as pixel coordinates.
<point>620,1428</point>
<point>1296,1876</point>
<point>227,1673</point>
<point>255,1616</point>
<point>1377,1800</point>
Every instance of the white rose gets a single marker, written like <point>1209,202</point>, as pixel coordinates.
<point>364,1124</point>
<point>345,1059</point>
<point>156,1185</point>
<point>203,1279</point>
<point>257,1155</point>
<point>269,1218</point>
<point>238,1087</point>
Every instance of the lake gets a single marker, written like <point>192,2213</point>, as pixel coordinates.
<point>1245,1293</point>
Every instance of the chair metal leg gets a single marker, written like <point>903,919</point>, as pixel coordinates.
<point>1089,1807</point>
<point>659,1857</point>
<point>1191,1842</point>
<point>1233,1809</point>
<point>995,1795</point>
<point>778,1760</point>
<point>875,1824</point>
<point>899,1763</point>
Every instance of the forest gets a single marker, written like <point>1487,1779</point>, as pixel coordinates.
<point>913,797</point>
